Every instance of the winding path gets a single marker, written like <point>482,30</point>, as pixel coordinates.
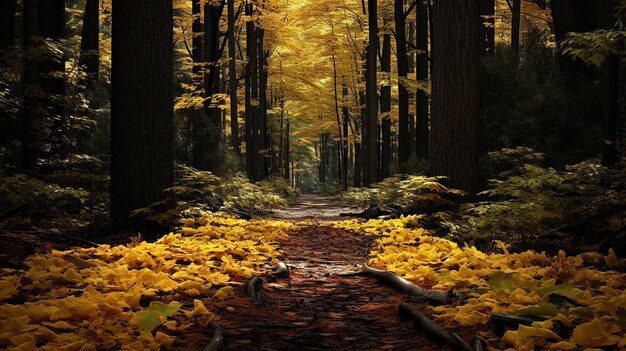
<point>315,309</point>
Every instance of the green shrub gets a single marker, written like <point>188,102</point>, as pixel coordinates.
<point>36,198</point>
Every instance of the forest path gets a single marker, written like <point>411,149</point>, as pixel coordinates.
<point>315,309</point>
<point>314,206</point>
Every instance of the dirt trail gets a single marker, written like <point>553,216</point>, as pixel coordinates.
<point>314,206</point>
<point>316,309</point>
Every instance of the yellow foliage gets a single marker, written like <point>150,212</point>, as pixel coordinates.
<point>88,299</point>
<point>506,283</point>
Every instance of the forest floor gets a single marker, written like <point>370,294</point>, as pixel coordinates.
<point>315,308</point>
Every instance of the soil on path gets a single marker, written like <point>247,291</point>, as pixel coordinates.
<point>315,309</point>
<point>314,206</point>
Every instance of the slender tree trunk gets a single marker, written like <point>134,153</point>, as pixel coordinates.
<point>210,132</point>
<point>339,123</point>
<point>142,105</point>
<point>232,74</point>
<point>404,140</point>
<point>372,97</point>
<point>455,93</point>
<point>262,133</point>
<point>421,97</point>
<point>515,27</point>
<point>30,78</point>
<point>90,42</point>
<point>286,151</point>
<point>344,144</point>
<point>385,107</point>
<point>254,90</point>
<point>249,116</point>
<point>323,158</point>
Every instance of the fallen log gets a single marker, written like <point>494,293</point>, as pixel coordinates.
<point>501,321</point>
<point>218,338</point>
<point>253,289</point>
<point>280,270</point>
<point>432,330</point>
<point>478,345</point>
<point>404,286</point>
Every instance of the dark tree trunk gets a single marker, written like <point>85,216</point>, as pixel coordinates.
<point>487,29</point>
<point>323,158</point>
<point>7,24</point>
<point>371,161</point>
<point>421,97</point>
<point>516,13</point>
<point>385,107</point>
<point>142,105</point>
<point>249,116</point>
<point>609,87</point>
<point>254,90</point>
<point>263,142</point>
<point>207,145</point>
<point>232,74</point>
<point>346,116</point>
<point>358,153</point>
<point>339,123</point>
<point>90,42</point>
<point>455,93</point>
<point>404,140</point>
<point>286,152</point>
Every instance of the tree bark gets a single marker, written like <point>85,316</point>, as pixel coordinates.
<point>90,42</point>
<point>372,97</point>
<point>346,116</point>
<point>516,14</point>
<point>404,136</point>
<point>209,134</point>
<point>263,141</point>
<point>455,93</point>
<point>232,74</point>
<point>421,97</point>
<point>385,107</point>
<point>249,115</point>
<point>142,105</point>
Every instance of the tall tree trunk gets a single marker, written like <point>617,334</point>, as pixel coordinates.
<point>455,93</point>
<point>90,42</point>
<point>254,108</point>
<point>516,13</point>
<point>262,132</point>
<point>385,107</point>
<point>404,140</point>
<point>232,74</point>
<point>30,78</point>
<point>323,158</point>
<point>7,24</point>
<point>421,97</point>
<point>142,105</point>
<point>609,87</point>
<point>372,96</point>
<point>210,131</point>
<point>197,117</point>
<point>286,151</point>
<point>339,123</point>
<point>249,116</point>
<point>346,116</point>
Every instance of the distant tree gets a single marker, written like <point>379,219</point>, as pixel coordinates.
<point>404,135</point>
<point>142,105</point>
<point>232,78</point>
<point>371,138</point>
<point>421,100</point>
<point>516,13</point>
<point>385,107</point>
<point>455,105</point>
